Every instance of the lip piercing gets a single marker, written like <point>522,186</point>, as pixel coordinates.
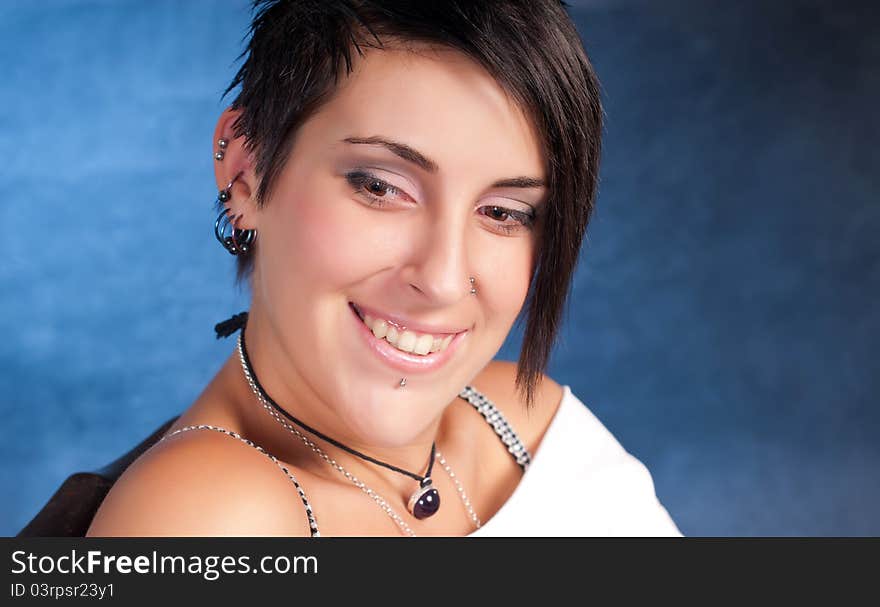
<point>471,279</point>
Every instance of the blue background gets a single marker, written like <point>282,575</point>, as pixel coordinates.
<point>723,322</point>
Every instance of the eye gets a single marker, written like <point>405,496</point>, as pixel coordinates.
<point>507,220</point>
<point>377,191</point>
<point>380,193</point>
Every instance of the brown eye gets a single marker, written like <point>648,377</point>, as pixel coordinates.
<point>377,187</point>
<point>498,213</point>
<point>376,191</point>
<point>508,220</point>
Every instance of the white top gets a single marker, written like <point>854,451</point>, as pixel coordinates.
<point>581,482</point>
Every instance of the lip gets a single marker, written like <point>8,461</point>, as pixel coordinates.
<point>402,324</point>
<point>402,361</point>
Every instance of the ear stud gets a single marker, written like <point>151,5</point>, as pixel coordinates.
<point>219,154</point>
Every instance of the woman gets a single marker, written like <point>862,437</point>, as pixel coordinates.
<point>399,181</point>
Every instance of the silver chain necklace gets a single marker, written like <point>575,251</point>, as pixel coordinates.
<point>380,501</point>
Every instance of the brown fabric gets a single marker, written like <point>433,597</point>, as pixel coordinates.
<point>70,511</point>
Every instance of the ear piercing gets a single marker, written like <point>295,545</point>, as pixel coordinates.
<point>237,241</point>
<point>221,143</point>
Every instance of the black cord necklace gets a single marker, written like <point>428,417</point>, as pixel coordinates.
<point>424,502</point>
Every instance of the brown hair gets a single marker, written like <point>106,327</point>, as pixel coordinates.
<point>298,48</point>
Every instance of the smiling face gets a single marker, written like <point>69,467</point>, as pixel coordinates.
<point>419,173</point>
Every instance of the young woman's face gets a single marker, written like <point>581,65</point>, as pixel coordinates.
<point>393,196</point>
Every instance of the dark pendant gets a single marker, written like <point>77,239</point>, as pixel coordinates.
<point>425,501</point>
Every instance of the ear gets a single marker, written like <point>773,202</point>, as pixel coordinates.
<point>236,161</point>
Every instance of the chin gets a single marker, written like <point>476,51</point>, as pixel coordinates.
<point>388,421</point>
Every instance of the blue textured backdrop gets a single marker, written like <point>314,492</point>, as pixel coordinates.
<point>723,322</point>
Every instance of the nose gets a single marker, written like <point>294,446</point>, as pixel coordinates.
<point>439,267</point>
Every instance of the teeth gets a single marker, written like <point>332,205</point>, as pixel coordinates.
<point>407,341</point>
<point>423,344</point>
<point>379,327</point>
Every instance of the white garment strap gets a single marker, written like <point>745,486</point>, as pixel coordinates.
<point>499,423</point>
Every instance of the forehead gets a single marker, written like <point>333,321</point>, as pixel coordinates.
<point>440,102</point>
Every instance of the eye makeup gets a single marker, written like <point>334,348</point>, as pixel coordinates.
<point>378,192</point>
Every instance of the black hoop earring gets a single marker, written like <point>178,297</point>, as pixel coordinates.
<point>242,239</point>
<point>237,242</point>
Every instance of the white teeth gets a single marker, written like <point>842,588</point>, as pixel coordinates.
<point>407,341</point>
<point>378,326</point>
<point>423,344</point>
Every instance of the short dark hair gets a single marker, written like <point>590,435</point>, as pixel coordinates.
<point>298,49</point>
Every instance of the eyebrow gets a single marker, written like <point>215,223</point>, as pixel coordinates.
<point>415,157</point>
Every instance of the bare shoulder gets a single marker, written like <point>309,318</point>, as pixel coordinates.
<point>498,382</point>
<point>202,483</point>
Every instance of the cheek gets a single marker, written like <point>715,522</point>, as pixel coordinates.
<point>503,279</point>
<point>328,238</point>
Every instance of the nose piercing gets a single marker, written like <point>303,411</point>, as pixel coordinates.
<point>471,279</point>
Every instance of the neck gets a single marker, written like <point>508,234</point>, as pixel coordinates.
<point>280,380</point>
